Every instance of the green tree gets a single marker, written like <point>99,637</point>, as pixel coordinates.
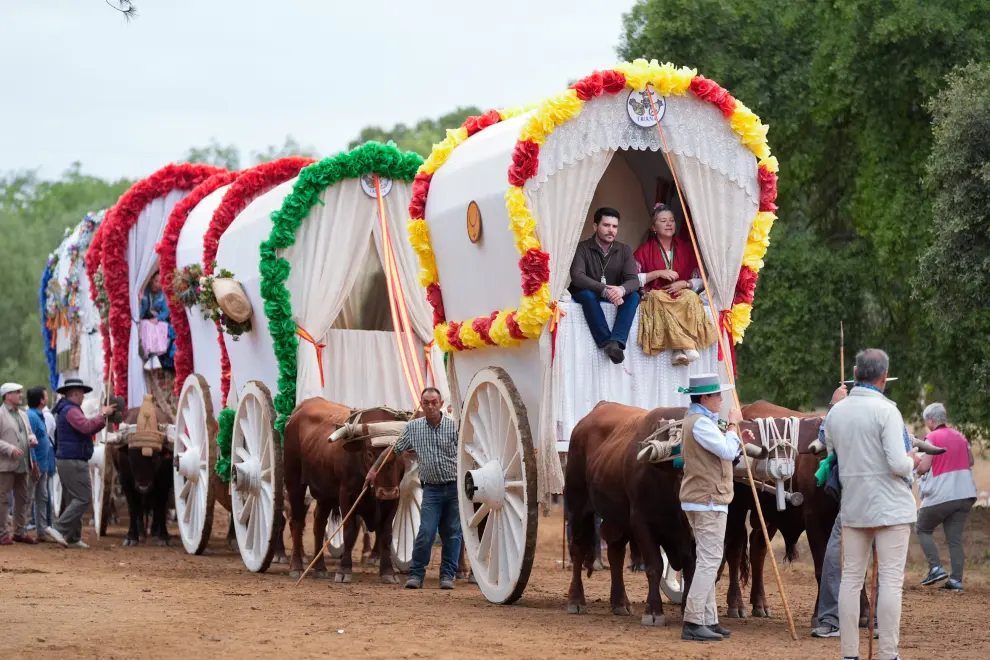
<point>953,279</point>
<point>419,138</point>
<point>843,86</point>
<point>219,155</point>
<point>34,215</point>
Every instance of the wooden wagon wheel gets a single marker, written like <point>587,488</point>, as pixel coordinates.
<point>336,547</point>
<point>192,465</point>
<point>101,473</point>
<point>672,582</point>
<point>496,482</point>
<point>256,494</point>
<point>405,524</point>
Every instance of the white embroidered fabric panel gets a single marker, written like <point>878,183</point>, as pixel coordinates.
<point>584,375</point>
<point>692,127</point>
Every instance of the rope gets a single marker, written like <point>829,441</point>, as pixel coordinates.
<point>779,446</point>
<point>656,450</point>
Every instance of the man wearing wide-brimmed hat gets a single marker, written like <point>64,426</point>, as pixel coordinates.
<point>16,465</point>
<point>74,433</point>
<point>706,491</point>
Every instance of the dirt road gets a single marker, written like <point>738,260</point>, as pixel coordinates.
<point>147,602</point>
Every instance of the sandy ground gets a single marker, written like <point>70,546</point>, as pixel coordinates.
<point>149,602</point>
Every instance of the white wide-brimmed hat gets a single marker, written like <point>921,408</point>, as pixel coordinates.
<point>704,384</point>
<point>7,388</point>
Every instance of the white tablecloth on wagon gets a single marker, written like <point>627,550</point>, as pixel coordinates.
<point>583,375</point>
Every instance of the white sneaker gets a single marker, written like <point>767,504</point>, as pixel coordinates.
<point>54,535</point>
<point>679,359</point>
<point>692,355</point>
<point>80,544</point>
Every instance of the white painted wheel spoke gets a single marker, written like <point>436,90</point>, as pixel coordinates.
<point>242,454</point>
<point>494,560</point>
<point>479,515</point>
<point>516,506</point>
<point>481,437</point>
<point>475,454</point>
<point>485,547</point>
<point>185,490</point>
<point>513,469</point>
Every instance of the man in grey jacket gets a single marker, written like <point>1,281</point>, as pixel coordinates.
<point>866,432</point>
<point>604,270</point>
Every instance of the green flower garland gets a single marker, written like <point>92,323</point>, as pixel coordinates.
<point>225,438</point>
<point>385,160</point>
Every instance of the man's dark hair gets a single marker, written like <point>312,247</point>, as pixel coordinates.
<point>605,211</point>
<point>696,398</point>
<point>35,395</point>
<point>431,389</point>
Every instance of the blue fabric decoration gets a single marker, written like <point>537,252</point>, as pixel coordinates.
<point>46,336</point>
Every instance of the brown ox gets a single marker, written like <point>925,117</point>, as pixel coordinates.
<point>636,500</point>
<point>335,474</point>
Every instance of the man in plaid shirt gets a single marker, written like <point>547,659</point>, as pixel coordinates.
<point>434,440</point>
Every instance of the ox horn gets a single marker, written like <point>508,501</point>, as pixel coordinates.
<point>345,432</point>
<point>926,447</point>
<point>755,451</point>
<point>816,447</point>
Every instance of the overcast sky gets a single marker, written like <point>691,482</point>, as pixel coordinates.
<point>79,83</point>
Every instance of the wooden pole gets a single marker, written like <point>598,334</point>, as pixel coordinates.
<point>842,354</point>
<point>873,605</point>
<point>728,369</point>
<point>388,455</point>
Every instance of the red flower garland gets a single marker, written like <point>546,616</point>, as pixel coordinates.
<point>746,286</point>
<point>709,90</point>
<point>514,330</point>
<point>420,189</point>
<point>481,122</point>
<point>525,162</point>
<point>93,259</point>
<point>454,338</point>
<point>535,268</point>
<point>768,190</point>
<point>589,87</point>
<point>483,326</point>
<point>166,258</point>
<point>118,222</point>
<point>434,297</point>
<point>250,185</point>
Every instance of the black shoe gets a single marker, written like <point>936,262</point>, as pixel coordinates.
<point>693,632</point>
<point>719,630</point>
<point>937,574</point>
<point>614,352</point>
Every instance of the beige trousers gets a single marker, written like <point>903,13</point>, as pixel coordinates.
<point>11,482</point>
<point>892,547</point>
<point>709,538</point>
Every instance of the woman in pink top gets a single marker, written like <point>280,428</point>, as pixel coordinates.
<point>947,494</point>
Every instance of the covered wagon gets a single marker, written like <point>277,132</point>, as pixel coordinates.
<point>497,212</point>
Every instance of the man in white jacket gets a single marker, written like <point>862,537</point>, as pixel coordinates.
<point>866,432</point>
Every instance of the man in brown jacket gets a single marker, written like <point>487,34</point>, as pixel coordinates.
<point>16,466</point>
<point>706,491</point>
<point>604,270</point>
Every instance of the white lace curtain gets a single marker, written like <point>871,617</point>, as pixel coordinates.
<point>560,205</point>
<point>330,246</point>
<point>142,261</point>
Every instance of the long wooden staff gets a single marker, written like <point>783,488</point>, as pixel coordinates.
<point>388,455</point>
<point>873,606</point>
<point>728,367</point>
<point>842,381</point>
